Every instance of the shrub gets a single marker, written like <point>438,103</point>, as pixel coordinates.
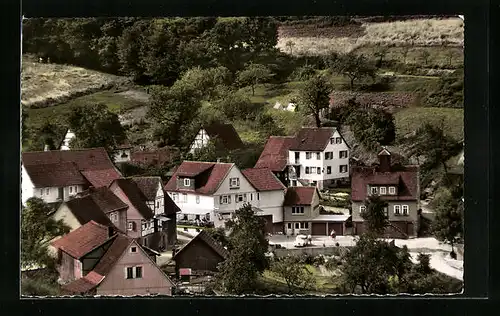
<point>303,73</point>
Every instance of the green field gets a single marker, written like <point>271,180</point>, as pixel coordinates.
<point>116,102</point>
<point>410,119</point>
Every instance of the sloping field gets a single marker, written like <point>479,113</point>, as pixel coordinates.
<point>42,83</point>
<point>425,32</point>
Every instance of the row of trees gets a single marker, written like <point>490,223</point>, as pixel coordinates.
<point>151,50</point>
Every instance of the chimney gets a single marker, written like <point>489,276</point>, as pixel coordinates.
<point>384,161</point>
<point>46,147</point>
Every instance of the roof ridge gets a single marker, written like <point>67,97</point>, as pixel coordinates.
<point>56,150</point>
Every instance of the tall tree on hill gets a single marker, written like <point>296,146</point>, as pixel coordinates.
<point>375,216</point>
<point>247,247</point>
<point>174,110</point>
<point>447,225</point>
<point>254,74</point>
<point>37,230</point>
<point>354,67</point>
<point>131,47</point>
<point>314,97</point>
<point>95,126</point>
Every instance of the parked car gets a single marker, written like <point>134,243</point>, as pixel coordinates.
<point>302,241</point>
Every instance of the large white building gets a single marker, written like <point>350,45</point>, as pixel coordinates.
<point>318,157</point>
<point>213,191</point>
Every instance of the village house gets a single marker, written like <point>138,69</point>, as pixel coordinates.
<point>95,260</point>
<point>120,154</point>
<point>212,191</point>
<point>302,214</point>
<point>141,221</point>
<point>55,176</point>
<point>318,157</point>
<point>99,205</point>
<point>223,135</point>
<point>271,195</point>
<point>164,209</point>
<point>201,254</point>
<point>275,157</point>
<point>397,185</point>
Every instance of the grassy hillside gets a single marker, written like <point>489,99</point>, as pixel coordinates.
<point>42,83</point>
<point>410,119</point>
<point>424,32</point>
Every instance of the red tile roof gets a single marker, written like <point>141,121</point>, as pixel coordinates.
<point>115,251</point>
<point>405,178</point>
<point>299,196</point>
<point>226,134</point>
<point>135,196</point>
<point>208,176</point>
<point>148,186</point>
<point>83,239</point>
<point>83,285</point>
<point>263,179</point>
<point>275,153</point>
<point>94,164</point>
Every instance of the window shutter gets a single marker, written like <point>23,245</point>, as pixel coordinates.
<point>125,272</point>
<point>134,226</point>
<point>220,199</point>
<point>229,199</point>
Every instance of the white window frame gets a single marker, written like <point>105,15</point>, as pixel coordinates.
<point>332,140</point>
<point>329,170</point>
<point>362,208</point>
<point>383,190</point>
<point>130,226</point>
<point>258,196</point>
<point>308,170</point>
<point>304,225</point>
<point>392,190</point>
<point>343,154</point>
<point>243,198</point>
<point>298,210</point>
<point>343,168</point>
<point>175,197</point>
<point>225,199</point>
<point>197,199</point>
<point>308,155</point>
<point>373,190</point>
<point>234,182</point>
<point>251,196</point>
<point>338,140</point>
<point>135,272</point>
<point>70,189</point>
<point>397,209</point>
<point>184,197</point>
<point>187,182</point>
<point>405,209</point>
<point>318,156</point>
<point>47,191</point>
<point>133,249</point>
<point>318,170</point>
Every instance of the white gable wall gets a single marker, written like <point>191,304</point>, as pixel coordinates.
<point>225,189</point>
<point>65,144</point>
<point>200,141</point>
<point>27,187</point>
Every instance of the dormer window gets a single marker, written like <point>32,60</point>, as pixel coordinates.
<point>234,182</point>
<point>392,190</point>
<point>374,190</point>
<point>187,182</point>
<point>383,190</point>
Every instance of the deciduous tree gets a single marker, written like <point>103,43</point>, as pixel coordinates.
<point>314,97</point>
<point>247,246</point>
<point>296,275</point>
<point>37,230</point>
<point>447,225</point>
<point>354,67</point>
<point>375,215</point>
<point>95,126</point>
<point>254,74</point>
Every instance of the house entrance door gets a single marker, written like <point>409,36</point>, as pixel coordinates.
<point>296,230</point>
<point>289,229</point>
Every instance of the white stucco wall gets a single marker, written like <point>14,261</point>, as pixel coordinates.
<point>27,187</point>
<point>245,189</point>
<point>65,144</point>
<point>271,203</point>
<point>117,155</point>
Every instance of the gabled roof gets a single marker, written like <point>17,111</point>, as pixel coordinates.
<point>55,175</point>
<point>313,138</point>
<point>404,178</point>
<point>299,196</point>
<point>275,153</point>
<point>158,156</point>
<point>83,239</point>
<point>135,196</point>
<point>83,285</point>
<point>208,176</point>
<point>226,134</point>
<point>263,179</point>
<point>104,198</point>
<point>114,252</point>
<point>86,210</point>
<point>93,164</point>
<point>207,239</point>
<point>148,186</point>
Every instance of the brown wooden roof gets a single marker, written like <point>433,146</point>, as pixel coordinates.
<point>299,196</point>
<point>207,239</point>
<point>312,139</point>
<point>135,196</point>
<point>263,179</point>
<point>226,134</point>
<point>148,186</point>
<point>83,239</point>
<point>275,153</point>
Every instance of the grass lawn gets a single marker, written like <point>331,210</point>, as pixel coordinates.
<point>272,93</point>
<point>410,119</point>
<point>116,102</point>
